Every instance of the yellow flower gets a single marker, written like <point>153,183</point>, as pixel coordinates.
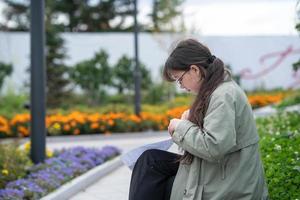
<point>57,126</point>
<point>5,172</point>
<point>27,146</point>
<point>49,153</point>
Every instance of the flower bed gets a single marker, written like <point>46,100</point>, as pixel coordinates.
<point>279,145</point>
<point>260,100</point>
<point>76,123</point>
<point>65,165</point>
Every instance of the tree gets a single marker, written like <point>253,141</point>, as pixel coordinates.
<point>5,70</point>
<point>164,14</point>
<point>92,75</point>
<point>56,70</point>
<point>95,15</point>
<point>160,92</point>
<point>123,78</point>
<point>17,15</point>
<point>112,15</point>
<point>57,81</point>
<point>85,16</point>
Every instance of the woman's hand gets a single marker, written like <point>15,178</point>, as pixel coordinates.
<point>172,125</point>
<point>185,114</point>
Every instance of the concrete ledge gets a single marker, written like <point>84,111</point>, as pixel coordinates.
<point>270,110</point>
<point>264,111</point>
<point>294,108</point>
<point>78,184</point>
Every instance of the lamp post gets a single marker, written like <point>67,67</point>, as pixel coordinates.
<point>137,73</point>
<point>38,74</point>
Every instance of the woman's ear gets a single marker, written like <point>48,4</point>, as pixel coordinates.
<point>196,69</point>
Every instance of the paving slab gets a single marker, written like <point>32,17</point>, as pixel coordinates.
<point>112,187</point>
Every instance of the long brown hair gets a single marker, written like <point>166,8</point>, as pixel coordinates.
<point>191,52</point>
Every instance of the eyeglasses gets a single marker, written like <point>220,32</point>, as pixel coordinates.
<point>179,80</point>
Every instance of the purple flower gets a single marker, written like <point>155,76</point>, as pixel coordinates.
<point>109,151</point>
<point>24,184</point>
<point>67,172</point>
<point>48,178</point>
<point>30,188</point>
<point>11,194</point>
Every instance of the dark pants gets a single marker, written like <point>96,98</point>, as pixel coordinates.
<point>153,175</point>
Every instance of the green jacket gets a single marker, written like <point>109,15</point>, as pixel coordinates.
<point>227,163</point>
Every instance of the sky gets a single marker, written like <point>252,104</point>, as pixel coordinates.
<point>232,17</point>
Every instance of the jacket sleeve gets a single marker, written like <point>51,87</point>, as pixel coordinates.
<point>218,135</point>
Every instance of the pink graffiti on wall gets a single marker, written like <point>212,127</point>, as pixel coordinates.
<point>279,56</point>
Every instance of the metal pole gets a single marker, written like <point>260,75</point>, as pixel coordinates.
<point>38,74</point>
<point>137,73</point>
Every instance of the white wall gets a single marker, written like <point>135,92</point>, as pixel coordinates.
<point>238,51</point>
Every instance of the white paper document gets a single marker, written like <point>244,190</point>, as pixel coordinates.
<point>130,158</point>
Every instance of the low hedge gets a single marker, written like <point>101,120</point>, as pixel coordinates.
<point>279,145</point>
<point>290,101</point>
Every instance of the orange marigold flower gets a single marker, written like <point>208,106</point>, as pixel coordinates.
<point>23,130</point>
<point>94,126</point>
<point>20,118</point>
<point>111,122</point>
<point>76,131</point>
<point>4,125</point>
<point>73,123</point>
<point>67,127</point>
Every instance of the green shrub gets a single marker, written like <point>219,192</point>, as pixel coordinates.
<point>291,100</point>
<point>92,75</point>
<point>5,70</point>
<point>279,144</point>
<point>12,104</point>
<point>13,163</point>
<point>159,92</point>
